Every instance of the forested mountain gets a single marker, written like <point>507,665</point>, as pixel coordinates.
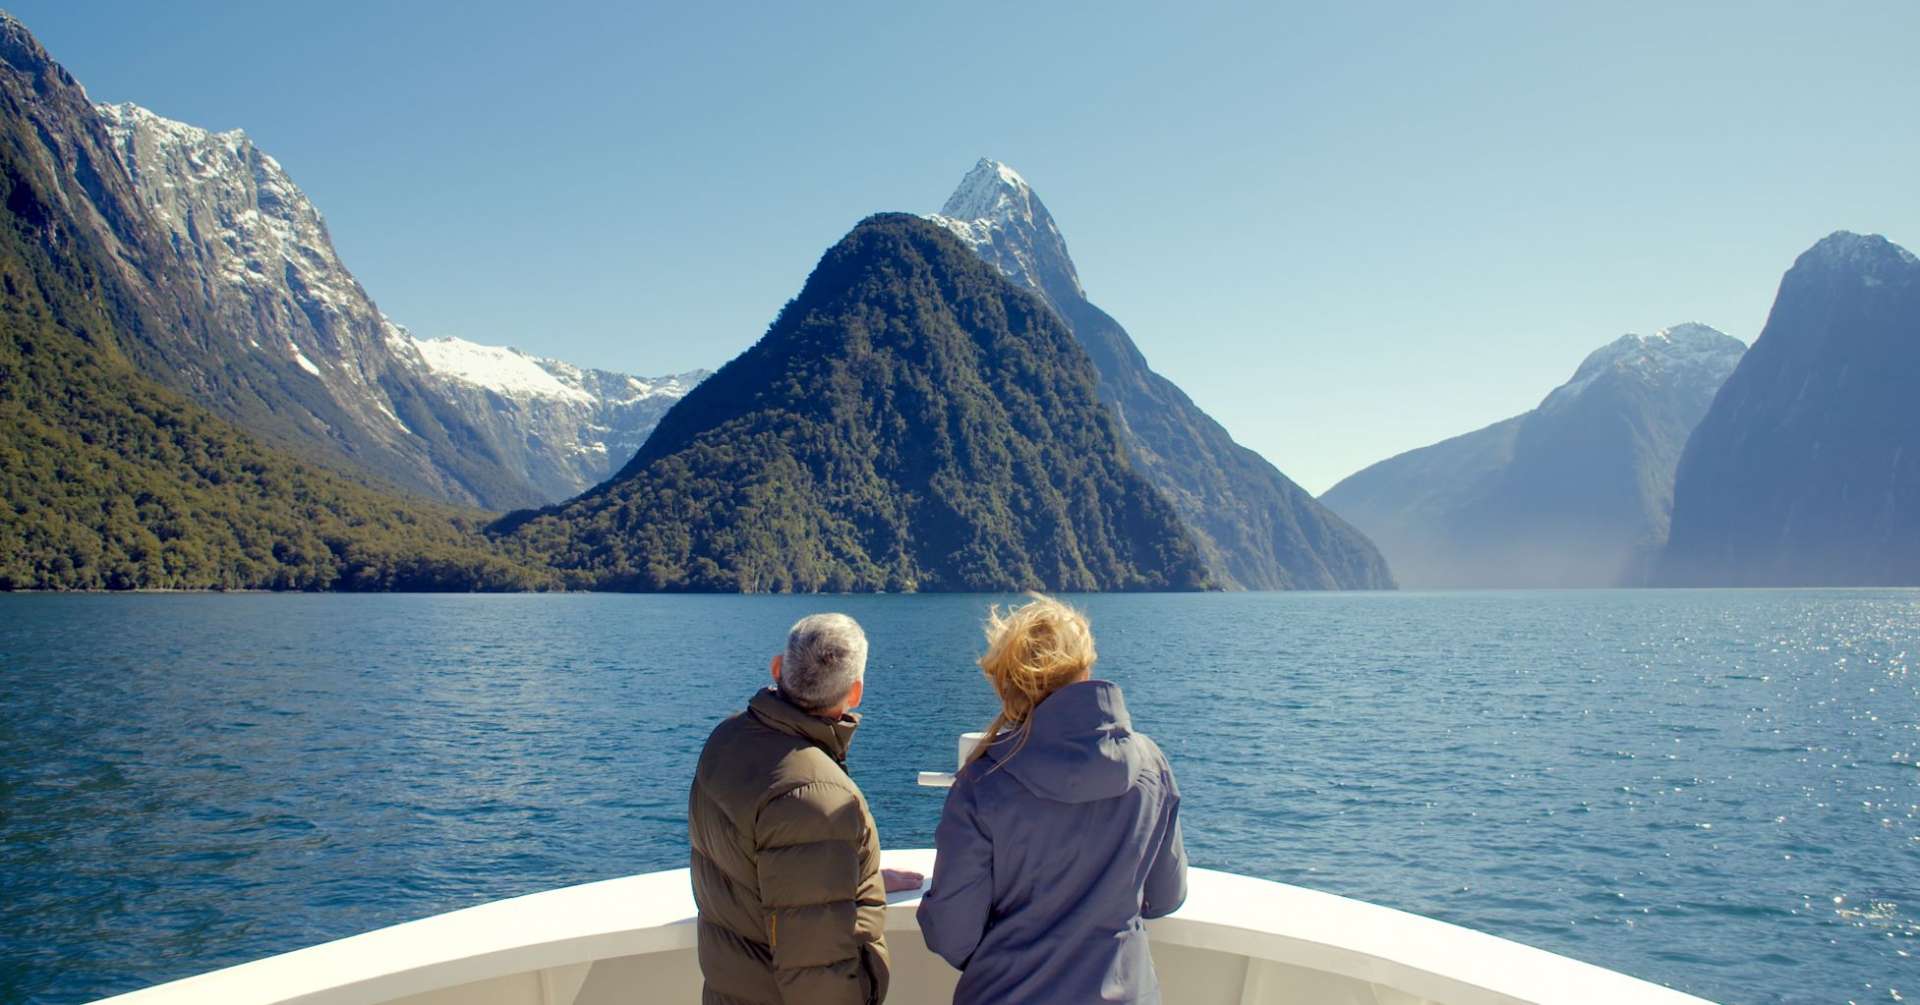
<point>205,343</point>
<point>1577,492</point>
<point>911,421</point>
<point>266,326</point>
<point>1806,470</point>
<point>292,347</point>
<point>109,479</point>
<point>1254,526</point>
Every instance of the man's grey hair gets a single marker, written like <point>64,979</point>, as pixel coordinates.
<point>826,654</point>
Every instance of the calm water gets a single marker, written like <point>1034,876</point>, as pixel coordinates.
<point>1717,791</point>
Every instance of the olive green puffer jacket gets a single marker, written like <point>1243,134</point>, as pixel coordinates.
<point>786,863</point>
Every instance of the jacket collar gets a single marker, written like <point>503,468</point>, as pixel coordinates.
<point>832,736</point>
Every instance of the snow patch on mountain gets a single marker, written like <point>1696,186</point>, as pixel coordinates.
<point>502,370</point>
<point>510,373</point>
<point>301,359</point>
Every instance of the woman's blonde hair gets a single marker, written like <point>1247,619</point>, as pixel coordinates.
<point>1032,651</point>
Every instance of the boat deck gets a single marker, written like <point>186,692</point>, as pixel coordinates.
<point>1238,941</point>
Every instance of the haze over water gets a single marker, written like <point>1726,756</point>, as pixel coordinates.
<point>1714,790</point>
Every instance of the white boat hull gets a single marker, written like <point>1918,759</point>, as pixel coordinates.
<point>1238,941</point>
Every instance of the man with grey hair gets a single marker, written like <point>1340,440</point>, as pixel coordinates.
<point>786,857</point>
<point>825,665</point>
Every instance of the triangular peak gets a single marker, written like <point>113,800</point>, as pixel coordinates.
<point>998,214</point>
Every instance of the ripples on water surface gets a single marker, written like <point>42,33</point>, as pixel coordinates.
<point>1712,790</point>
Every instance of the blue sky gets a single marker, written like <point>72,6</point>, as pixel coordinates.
<point>1345,232</point>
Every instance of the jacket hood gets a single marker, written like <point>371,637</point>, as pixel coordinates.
<point>1080,746</point>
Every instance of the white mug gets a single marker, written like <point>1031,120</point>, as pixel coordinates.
<point>968,741</point>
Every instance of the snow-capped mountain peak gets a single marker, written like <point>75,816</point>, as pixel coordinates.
<point>991,191</point>
<point>1869,259</point>
<point>997,214</point>
<point>1690,353</point>
<point>1845,246</point>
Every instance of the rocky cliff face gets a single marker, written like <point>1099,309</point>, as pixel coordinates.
<point>1806,470</point>
<point>285,342</point>
<point>911,421</point>
<point>1255,527</point>
<point>1577,492</point>
<point>260,246</point>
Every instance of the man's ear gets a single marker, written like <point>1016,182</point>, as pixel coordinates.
<point>853,696</point>
<point>775,666</point>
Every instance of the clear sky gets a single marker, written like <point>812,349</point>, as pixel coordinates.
<point>1346,230</point>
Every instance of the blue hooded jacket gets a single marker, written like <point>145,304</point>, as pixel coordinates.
<point>1050,855</point>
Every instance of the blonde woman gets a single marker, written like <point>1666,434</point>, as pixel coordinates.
<point>1059,835</point>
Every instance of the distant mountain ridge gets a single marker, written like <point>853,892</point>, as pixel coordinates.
<point>426,414</point>
<point>563,428</point>
<point>198,393</point>
<point>912,421</point>
<point>1254,526</point>
<point>1806,470</point>
<point>1577,492</point>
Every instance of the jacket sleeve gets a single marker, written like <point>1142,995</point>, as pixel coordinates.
<point>809,846</point>
<point>1166,887</point>
<point>953,915</point>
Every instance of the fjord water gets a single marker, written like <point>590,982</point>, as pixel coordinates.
<point>1719,791</point>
